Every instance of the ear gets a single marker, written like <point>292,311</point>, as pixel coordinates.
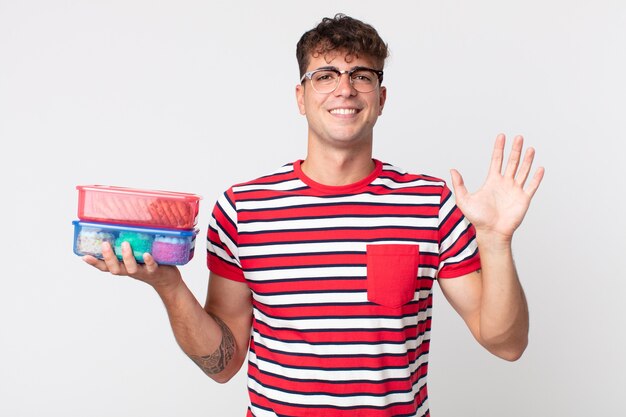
<point>382,99</point>
<point>300,99</point>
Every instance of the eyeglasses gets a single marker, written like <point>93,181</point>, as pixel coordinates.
<point>325,80</point>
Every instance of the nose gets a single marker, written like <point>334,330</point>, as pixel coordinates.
<point>344,88</point>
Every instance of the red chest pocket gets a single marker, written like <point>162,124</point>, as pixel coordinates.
<point>392,273</point>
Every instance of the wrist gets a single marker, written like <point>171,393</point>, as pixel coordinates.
<point>491,240</point>
<point>168,288</point>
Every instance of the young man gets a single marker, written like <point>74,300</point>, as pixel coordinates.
<point>322,272</point>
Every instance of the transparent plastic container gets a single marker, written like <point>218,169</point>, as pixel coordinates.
<point>167,247</point>
<point>129,206</point>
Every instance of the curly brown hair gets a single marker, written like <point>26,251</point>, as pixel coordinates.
<point>345,34</point>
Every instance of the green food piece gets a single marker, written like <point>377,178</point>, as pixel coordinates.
<point>140,243</point>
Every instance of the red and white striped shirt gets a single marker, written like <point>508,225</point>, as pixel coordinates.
<point>341,280</point>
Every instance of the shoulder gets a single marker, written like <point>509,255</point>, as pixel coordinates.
<point>284,173</point>
<point>400,177</point>
<point>276,180</point>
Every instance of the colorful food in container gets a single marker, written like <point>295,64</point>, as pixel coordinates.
<point>167,247</point>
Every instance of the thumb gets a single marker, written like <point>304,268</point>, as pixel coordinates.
<point>458,185</point>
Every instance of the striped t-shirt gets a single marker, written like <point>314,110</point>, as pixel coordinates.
<point>341,280</point>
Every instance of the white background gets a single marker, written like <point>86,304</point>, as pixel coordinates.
<point>195,96</point>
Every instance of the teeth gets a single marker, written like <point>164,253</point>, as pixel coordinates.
<point>343,111</point>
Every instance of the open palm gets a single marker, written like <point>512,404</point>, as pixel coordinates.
<point>500,205</point>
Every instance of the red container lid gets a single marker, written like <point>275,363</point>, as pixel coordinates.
<point>131,206</point>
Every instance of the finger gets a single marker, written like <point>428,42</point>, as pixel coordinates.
<point>128,257</point>
<point>458,185</point>
<point>534,183</point>
<point>497,155</point>
<point>113,265</point>
<point>95,262</point>
<point>514,157</point>
<point>151,265</point>
<point>524,168</point>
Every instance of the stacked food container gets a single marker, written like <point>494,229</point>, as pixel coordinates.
<point>162,223</point>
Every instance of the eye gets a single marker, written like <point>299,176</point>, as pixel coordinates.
<point>364,76</point>
<point>324,76</point>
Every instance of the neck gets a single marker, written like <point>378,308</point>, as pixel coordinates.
<point>338,167</point>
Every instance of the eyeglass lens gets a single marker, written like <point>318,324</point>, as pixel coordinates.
<point>363,80</point>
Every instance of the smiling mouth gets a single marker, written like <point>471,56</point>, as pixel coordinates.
<point>344,111</point>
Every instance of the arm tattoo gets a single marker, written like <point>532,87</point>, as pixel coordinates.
<point>217,361</point>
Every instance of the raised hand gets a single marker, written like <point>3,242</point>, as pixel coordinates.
<point>499,206</point>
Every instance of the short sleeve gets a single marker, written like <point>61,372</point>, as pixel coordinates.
<point>458,250</point>
<point>222,238</point>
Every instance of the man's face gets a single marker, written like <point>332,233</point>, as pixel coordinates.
<point>345,117</point>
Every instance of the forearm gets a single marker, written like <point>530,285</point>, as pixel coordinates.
<point>205,338</point>
<point>503,311</point>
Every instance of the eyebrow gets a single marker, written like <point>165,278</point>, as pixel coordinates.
<point>327,67</point>
<point>333,68</point>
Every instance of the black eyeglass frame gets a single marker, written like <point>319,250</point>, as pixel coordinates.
<point>309,76</point>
